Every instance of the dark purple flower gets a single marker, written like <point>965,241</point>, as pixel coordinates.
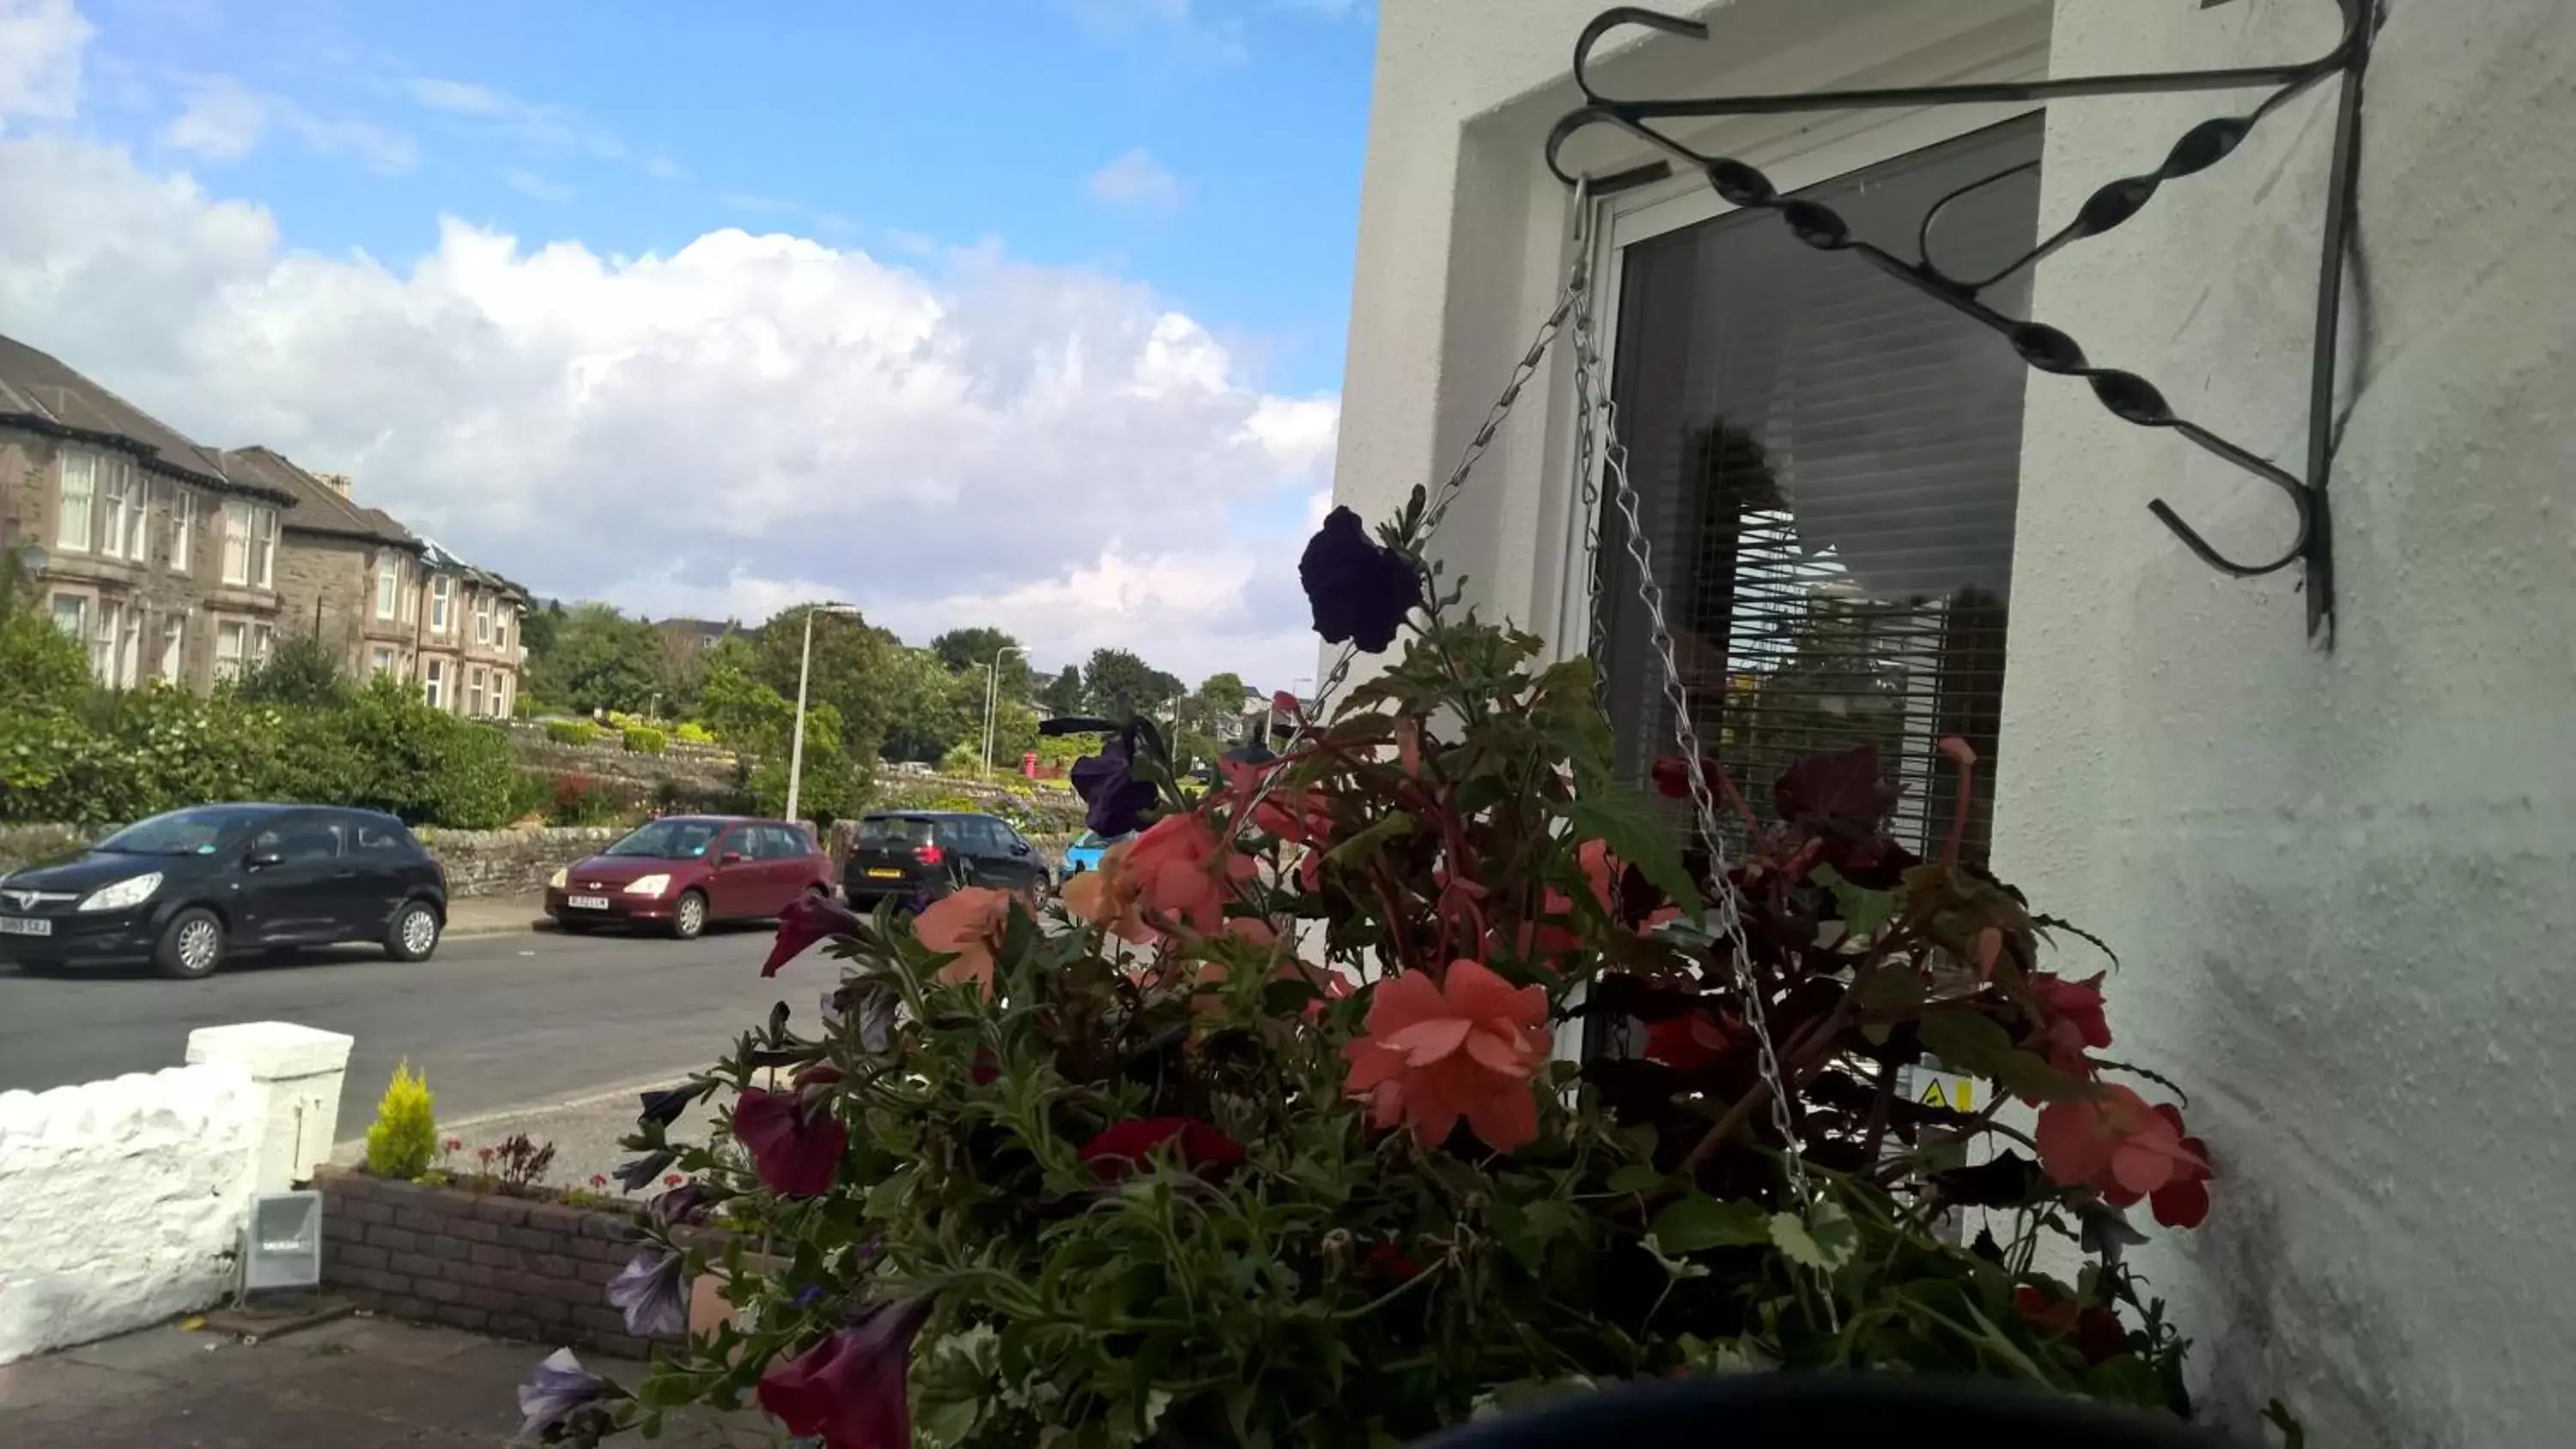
<point>812,917</point>
<point>561,1388</point>
<point>1116,799</point>
<point>639,1174</point>
<point>851,1389</point>
<point>684,1204</point>
<point>796,1144</point>
<point>653,1293</point>
<point>664,1107</point>
<point>1360,589</point>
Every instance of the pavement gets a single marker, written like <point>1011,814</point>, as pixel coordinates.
<point>357,1383</point>
<point>520,1025</point>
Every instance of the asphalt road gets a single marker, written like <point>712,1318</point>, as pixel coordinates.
<point>495,1022</point>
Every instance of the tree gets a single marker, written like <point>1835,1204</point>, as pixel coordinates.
<point>972,651</point>
<point>538,628</point>
<point>300,670</point>
<point>1121,686</point>
<point>1217,709</point>
<point>931,708</point>
<point>601,659</point>
<point>854,670</point>
<point>1066,695</point>
<point>758,723</point>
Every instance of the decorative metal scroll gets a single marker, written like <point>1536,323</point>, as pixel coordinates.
<point>2128,396</point>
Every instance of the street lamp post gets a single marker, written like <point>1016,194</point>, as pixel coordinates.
<point>992,696</point>
<point>804,671</point>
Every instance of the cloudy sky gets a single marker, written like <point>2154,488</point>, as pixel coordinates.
<point>1026,313</point>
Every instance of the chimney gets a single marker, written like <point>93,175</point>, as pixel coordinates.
<point>340,483</point>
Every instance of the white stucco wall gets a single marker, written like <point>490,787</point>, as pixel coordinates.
<point>125,1201</point>
<point>2339,880</point>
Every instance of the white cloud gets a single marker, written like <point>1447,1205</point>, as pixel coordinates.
<point>1136,179</point>
<point>542,129</point>
<point>751,420</point>
<point>225,120</point>
<point>529,183</point>
<point>40,59</point>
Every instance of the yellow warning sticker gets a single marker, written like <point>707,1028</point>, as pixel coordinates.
<point>1941,1089</point>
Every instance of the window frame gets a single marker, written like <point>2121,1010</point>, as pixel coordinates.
<point>474,682</point>
<point>388,584</point>
<point>237,521</point>
<point>482,619</point>
<point>442,603</point>
<point>174,648</point>
<point>54,611</point>
<point>231,666</point>
<point>183,526</point>
<point>433,683</point>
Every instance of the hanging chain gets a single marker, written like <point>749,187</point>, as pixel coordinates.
<point>1593,383</point>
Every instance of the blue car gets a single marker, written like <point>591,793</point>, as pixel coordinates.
<point>1085,852</point>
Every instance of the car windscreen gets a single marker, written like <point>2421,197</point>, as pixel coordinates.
<point>669,839</point>
<point>1089,840</point>
<point>198,830</point>
<point>894,832</point>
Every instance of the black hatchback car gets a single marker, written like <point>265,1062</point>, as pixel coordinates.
<point>184,890</point>
<point>913,855</point>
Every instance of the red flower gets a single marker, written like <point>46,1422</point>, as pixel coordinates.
<point>2070,1014</point>
<point>598,1180</point>
<point>851,1390</point>
<point>1694,1042</point>
<point>1387,1259</point>
<point>986,1069</point>
<point>2117,1143</point>
<point>1672,777</point>
<point>1123,1146</point>
<point>1463,1046</point>
<point>796,1144</point>
<point>2183,1202</point>
<point>813,917</point>
<point>2099,1336</point>
<point>2096,1330</point>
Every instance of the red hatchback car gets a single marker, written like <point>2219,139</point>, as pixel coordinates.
<point>682,871</point>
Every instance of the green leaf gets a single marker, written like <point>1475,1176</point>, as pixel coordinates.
<point>1394,824</point>
<point>1700,1221</point>
<point>1635,1177</point>
<point>1622,819</point>
<point>1863,910</point>
<point>1973,1043</point>
<point>1824,1240</point>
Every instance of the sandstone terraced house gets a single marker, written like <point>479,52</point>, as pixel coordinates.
<point>181,564</point>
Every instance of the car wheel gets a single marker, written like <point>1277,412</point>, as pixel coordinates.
<point>689,915</point>
<point>192,945</point>
<point>413,933</point>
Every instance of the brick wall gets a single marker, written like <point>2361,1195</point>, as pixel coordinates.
<point>499,1265</point>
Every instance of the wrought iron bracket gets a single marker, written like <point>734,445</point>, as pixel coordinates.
<point>2127,395</point>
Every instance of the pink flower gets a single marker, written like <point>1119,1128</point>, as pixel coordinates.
<point>852,1390</point>
<point>967,923</point>
<point>1183,874</point>
<point>2071,1019</point>
<point>811,918</point>
<point>2117,1143</point>
<point>795,1142</point>
<point>1463,1046</point>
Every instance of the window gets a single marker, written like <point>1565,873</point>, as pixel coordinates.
<point>474,692</point>
<point>264,545</point>
<point>116,649</point>
<point>303,837</point>
<point>80,496</point>
<point>1827,464</point>
<point>385,661</point>
<point>501,695</point>
<point>440,589</point>
<point>232,649</point>
<point>433,682</point>
<point>71,614</point>
<point>369,836</point>
<point>126,506</point>
<point>482,619</point>
<point>388,583</point>
<point>502,617</point>
<point>262,639</point>
<point>174,638</point>
<point>183,527</point>
<point>237,550</point>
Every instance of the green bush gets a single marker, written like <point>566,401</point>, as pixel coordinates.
<point>428,766</point>
<point>404,1137</point>
<point>646,740</point>
<point>574,732</point>
<point>962,759</point>
<point>300,670</point>
<point>694,733</point>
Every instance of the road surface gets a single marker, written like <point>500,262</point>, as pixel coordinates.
<point>495,1022</point>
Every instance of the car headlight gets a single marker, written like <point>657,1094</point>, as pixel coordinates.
<point>131,892</point>
<point>648,885</point>
<point>556,881</point>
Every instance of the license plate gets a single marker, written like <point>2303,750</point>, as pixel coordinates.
<point>885,875</point>
<point>587,903</point>
<point>24,926</point>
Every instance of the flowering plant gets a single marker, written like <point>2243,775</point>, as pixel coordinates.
<point>1277,1128</point>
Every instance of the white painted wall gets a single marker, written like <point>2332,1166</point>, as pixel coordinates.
<point>2340,881</point>
<point>125,1199</point>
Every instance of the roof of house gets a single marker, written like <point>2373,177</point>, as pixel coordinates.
<point>319,507</point>
<point>439,560</point>
<point>38,392</point>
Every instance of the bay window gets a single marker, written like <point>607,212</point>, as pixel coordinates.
<point>474,693</point>
<point>433,683</point>
<point>232,650</point>
<point>250,545</point>
<point>71,615</point>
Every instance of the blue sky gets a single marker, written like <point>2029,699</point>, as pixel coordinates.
<point>882,124</point>
<point>1027,314</point>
